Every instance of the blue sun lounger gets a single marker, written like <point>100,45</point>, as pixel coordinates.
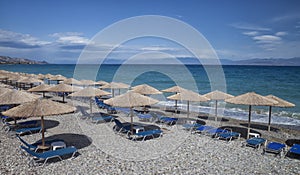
<point>274,147</point>
<point>120,127</point>
<point>295,149</point>
<point>203,129</point>
<point>167,120</point>
<point>144,117</point>
<point>149,133</point>
<point>28,130</point>
<point>255,142</point>
<point>191,126</point>
<point>45,156</point>
<point>215,131</point>
<point>229,136</point>
<point>102,118</point>
<point>34,146</point>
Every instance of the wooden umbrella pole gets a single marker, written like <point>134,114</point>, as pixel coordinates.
<point>43,131</point>
<point>131,123</point>
<point>188,109</point>
<point>91,110</point>
<point>249,120</point>
<point>270,113</point>
<point>216,111</point>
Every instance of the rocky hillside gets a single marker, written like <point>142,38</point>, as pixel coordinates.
<point>10,60</point>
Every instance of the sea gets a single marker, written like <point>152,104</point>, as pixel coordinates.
<point>281,81</point>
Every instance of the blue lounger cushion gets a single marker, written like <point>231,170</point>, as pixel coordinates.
<point>274,147</point>
<point>102,119</point>
<point>34,146</point>
<point>190,126</point>
<point>28,130</point>
<point>45,156</point>
<point>148,133</point>
<point>214,131</point>
<point>295,149</point>
<point>229,135</point>
<point>255,142</point>
<point>120,127</point>
<point>204,128</point>
<point>167,120</point>
<point>144,116</point>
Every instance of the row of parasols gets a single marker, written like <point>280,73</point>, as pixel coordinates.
<point>137,96</point>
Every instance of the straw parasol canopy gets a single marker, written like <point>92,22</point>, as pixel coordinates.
<point>72,81</point>
<point>58,78</point>
<point>187,95</point>
<point>41,88</point>
<point>115,85</point>
<point>217,95</point>
<point>281,103</point>
<point>39,108</point>
<point>174,89</point>
<point>30,80</point>
<point>14,97</point>
<point>101,82</point>
<point>4,90</point>
<point>49,76</point>
<point>89,92</point>
<point>129,100</point>
<point>145,89</point>
<point>251,99</point>
<point>40,76</point>
<point>64,88</point>
<point>88,82</point>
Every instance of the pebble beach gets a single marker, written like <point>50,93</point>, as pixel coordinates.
<point>102,151</point>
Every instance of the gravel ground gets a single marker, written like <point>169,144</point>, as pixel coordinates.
<point>101,151</point>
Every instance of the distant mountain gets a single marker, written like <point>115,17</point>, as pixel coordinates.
<point>269,62</point>
<point>254,62</point>
<point>10,60</point>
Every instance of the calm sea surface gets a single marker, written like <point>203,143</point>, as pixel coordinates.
<point>283,82</point>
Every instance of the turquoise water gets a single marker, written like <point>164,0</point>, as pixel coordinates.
<point>283,82</point>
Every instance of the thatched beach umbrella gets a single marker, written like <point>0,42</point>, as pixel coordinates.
<point>72,81</point>
<point>115,85</point>
<point>101,82</point>
<point>40,108</point>
<point>88,82</point>
<point>217,95</point>
<point>63,88</point>
<point>14,97</point>
<point>129,100</point>
<point>4,90</point>
<point>281,103</point>
<point>187,95</point>
<point>174,89</point>
<point>251,99</point>
<point>30,81</point>
<point>41,88</point>
<point>58,78</point>
<point>89,92</point>
<point>145,89</point>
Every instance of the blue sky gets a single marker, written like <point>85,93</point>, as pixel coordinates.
<point>57,31</point>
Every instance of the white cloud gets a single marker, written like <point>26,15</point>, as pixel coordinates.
<point>266,38</point>
<point>70,38</point>
<point>19,40</point>
<point>286,17</point>
<point>246,26</point>
<point>251,33</point>
<point>281,33</point>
